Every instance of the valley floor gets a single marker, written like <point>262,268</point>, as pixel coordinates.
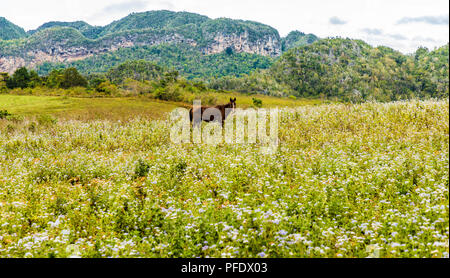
<point>367,180</point>
<point>120,108</point>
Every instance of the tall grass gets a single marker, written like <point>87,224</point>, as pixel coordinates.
<point>368,180</point>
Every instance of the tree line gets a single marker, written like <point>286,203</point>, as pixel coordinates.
<point>130,78</point>
<point>62,78</point>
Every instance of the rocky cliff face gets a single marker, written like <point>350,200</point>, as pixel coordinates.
<point>266,46</point>
<point>34,57</point>
<point>67,51</point>
<point>67,43</point>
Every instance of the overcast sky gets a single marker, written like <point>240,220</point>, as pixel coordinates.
<point>401,24</point>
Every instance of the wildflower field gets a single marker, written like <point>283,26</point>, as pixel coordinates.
<point>367,180</point>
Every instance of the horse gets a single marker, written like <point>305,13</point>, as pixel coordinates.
<point>225,110</point>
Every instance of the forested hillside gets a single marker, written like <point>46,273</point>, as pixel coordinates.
<point>9,31</point>
<point>190,62</point>
<point>351,70</point>
<point>296,39</point>
<point>84,28</point>
<point>58,43</point>
<point>195,45</point>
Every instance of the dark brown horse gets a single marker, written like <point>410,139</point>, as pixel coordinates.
<point>224,111</point>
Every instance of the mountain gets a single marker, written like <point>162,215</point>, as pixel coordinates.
<point>296,39</point>
<point>350,70</point>
<point>89,31</point>
<point>66,42</point>
<point>155,20</point>
<point>9,31</point>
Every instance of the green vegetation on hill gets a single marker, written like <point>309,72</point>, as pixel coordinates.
<point>10,31</point>
<point>154,20</point>
<point>174,40</point>
<point>56,36</point>
<point>350,70</point>
<point>50,41</point>
<point>296,39</point>
<point>433,70</point>
<point>188,60</point>
<point>344,69</point>
<point>89,31</point>
<point>139,28</point>
<point>138,70</point>
<point>195,26</point>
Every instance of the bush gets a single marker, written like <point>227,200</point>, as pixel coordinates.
<point>107,88</point>
<point>4,114</point>
<point>142,169</point>
<point>169,93</point>
<point>257,102</point>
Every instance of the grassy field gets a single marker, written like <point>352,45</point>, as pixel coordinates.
<point>366,180</point>
<point>123,108</point>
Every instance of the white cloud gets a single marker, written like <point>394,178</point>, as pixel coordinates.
<point>374,31</point>
<point>434,20</point>
<point>337,21</point>
<point>314,17</point>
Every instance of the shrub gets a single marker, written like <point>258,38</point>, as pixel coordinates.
<point>168,94</point>
<point>4,114</point>
<point>257,102</point>
<point>142,169</point>
<point>107,88</point>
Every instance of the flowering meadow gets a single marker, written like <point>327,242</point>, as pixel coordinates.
<point>363,180</point>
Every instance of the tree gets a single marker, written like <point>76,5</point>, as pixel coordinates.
<point>71,78</point>
<point>94,80</point>
<point>169,77</point>
<point>420,52</point>
<point>20,79</point>
<point>55,78</point>
<point>137,70</point>
<point>35,80</point>
<point>3,78</point>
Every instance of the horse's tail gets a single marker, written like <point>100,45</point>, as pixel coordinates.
<point>191,115</point>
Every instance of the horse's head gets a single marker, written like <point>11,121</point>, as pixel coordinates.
<point>233,104</point>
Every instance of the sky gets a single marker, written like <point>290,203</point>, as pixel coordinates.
<point>401,24</point>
